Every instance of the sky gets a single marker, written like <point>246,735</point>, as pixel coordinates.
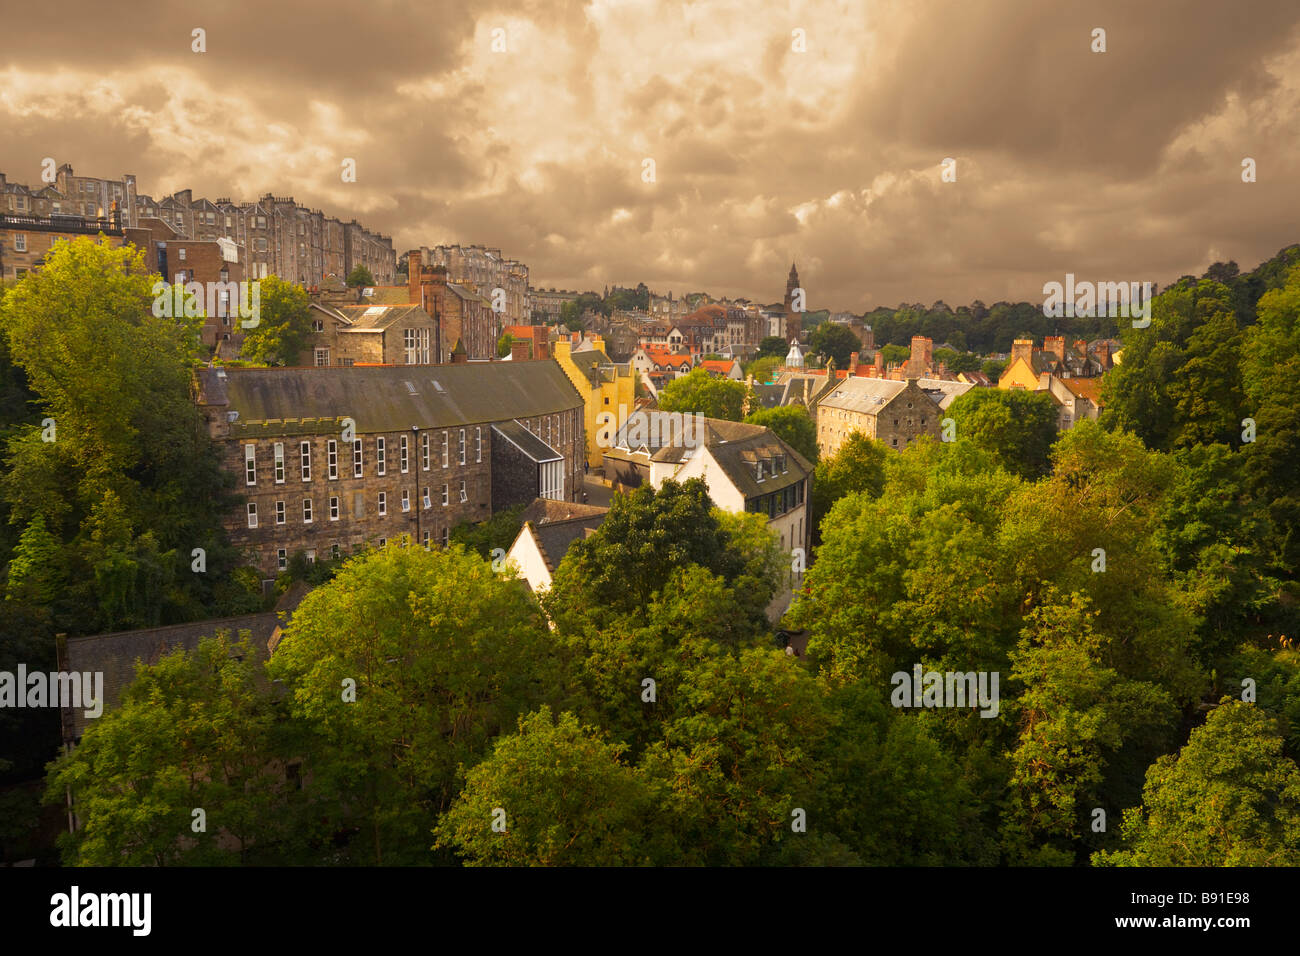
<point>812,131</point>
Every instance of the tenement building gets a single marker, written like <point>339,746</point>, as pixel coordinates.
<point>331,460</point>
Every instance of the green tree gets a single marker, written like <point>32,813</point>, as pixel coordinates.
<point>503,344</point>
<point>36,570</point>
<point>195,730</point>
<point>360,276</point>
<point>894,354</point>
<point>1228,798</point>
<point>1017,428</point>
<point>405,666</point>
<point>283,327</point>
<point>567,798</point>
<point>764,369</point>
<point>773,346</point>
<point>994,368</point>
<point>858,466</point>
<point>698,391</point>
<point>792,424</point>
<point>834,341</point>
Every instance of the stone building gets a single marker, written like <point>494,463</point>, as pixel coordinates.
<point>331,460</point>
<point>280,236</point>
<point>25,239</point>
<point>894,413</point>
<point>483,270</point>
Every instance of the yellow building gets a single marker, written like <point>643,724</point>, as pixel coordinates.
<point>605,386</point>
<point>1022,370</point>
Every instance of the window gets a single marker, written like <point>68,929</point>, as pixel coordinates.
<point>334,552</point>
<point>252,514</point>
<point>305,450</point>
<point>428,501</point>
<point>406,501</point>
<point>279,512</point>
<point>759,469</point>
<point>334,507</point>
<point>322,357</point>
<point>281,559</point>
<point>311,555</point>
<point>426,540</point>
<point>306,511</point>
<point>383,542</point>
<point>279,463</point>
<point>250,464</point>
<point>180,253</point>
<point>463,497</point>
<point>20,242</point>
<point>383,503</point>
<point>261,224</point>
<point>445,496</point>
<point>381,460</point>
<point>261,244</point>
<point>357,469</point>
<point>332,459</point>
<point>445,460</point>
<point>401,452</point>
<point>478,443</point>
<point>446,537</point>
<point>424,451</point>
<point>318,325</point>
<point>408,345</point>
<point>462,446</point>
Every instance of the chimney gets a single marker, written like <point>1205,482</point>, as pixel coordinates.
<point>413,275</point>
<point>853,363</point>
<point>1056,345</point>
<point>1103,353</point>
<point>1081,347</point>
<point>519,350</point>
<point>1022,348</point>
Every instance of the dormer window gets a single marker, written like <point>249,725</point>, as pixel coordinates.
<point>759,469</point>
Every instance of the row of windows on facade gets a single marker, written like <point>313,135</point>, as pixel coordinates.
<point>358,456</point>
<point>358,506</point>
<point>282,554</point>
<point>778,502</point>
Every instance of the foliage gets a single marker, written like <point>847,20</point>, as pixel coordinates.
<point>792,425</point>
<point>698,391</point>
<point>834,341</point>
<point>283,328</point>
<point>360,276</point>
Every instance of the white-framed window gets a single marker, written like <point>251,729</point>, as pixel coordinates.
<point>383,542</point>
<point>304,451</point>
<point>306,511</point>
<point>252,514</point>
<point>311,555</point>
<point>446,537</point>
<point>402,452</point>
<point>334,507</point>
<point>463,497</point>
<point>462,446</point>
<point>358,469</point>
<point>381,456</point>
<point>279,463</point>
<point>322,358</point>
<point>383,503</point>
<point>281,559</point>
<point>426,540</point>
<point>408,346</point>
<point>180,253</point>
<point>446,499</point>
<point>445,459</point>
<point>332,459</point>
<point>406,500</point>
<point>20,242</point>
<point>424,451</point>
<point>478,443</point>
<point>552,480</point>
<point>250,464</point>
<point>279,512</point>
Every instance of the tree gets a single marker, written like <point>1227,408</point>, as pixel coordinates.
<point>499,531</point>
<point>698,391</point>
<point>284,326</point>
<point>764,369</point>
<point>834,341</point>
<point>858,466</point>
<point>360,276</point>
<point>1228,798</point>
<point>994,368</point>
<point>118,464</point>
<point>895,354</point>
<point>193,731</point>
<point>503,344</point>
<point>567,799</point>
<point>1017,428</point>
<point>792,425</point>
<point>773,346</point>
<point>404,667</point>
<point>957,361</point>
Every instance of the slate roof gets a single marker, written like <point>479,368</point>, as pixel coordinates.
<point>737,448</point>
<point>388,398</point>
<point>526,441</point>
<point>555,538</point>
<point>115,654</point>
<point>942,391</point>
<point>375,318</point>
<point>863,395</point>
<point>548,511</point>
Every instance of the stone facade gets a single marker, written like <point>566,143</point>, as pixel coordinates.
<point>24,240</point>
<point>482,270</point>
<point>347,475</point>
<point>894,413</point>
